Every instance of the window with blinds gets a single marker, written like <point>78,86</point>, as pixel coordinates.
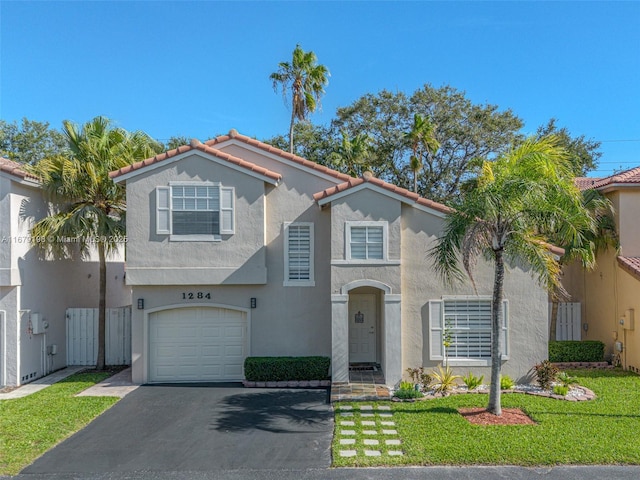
<point>299,254</point>
<point>467,323</point>
<point>367,243</point>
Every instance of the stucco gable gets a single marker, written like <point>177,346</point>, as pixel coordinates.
<point>184,151</point>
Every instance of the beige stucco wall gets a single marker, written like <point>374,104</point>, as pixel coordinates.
<point>627,206</point>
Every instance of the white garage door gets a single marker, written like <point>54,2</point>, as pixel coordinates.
<point>197,345</point>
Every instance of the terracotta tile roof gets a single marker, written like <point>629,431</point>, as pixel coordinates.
<point>234,135</point>
<point>354,182</point>
<point>631,177</point>
<point>630,265</point>
<point>197,145</point>
<point>14,168</point>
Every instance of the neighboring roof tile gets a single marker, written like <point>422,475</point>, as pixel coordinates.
<point>354,182</point>
<point>630,265</point>
<point>631,176</point>
<point>197,145</point>
<point>14,168</point>
<point>234,135</point>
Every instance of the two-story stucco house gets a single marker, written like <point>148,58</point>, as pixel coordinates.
<point>35,292</point>
<point>610,294</point>
<point>236,248</point>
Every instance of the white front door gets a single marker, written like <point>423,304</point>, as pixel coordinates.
<point>362,328</point>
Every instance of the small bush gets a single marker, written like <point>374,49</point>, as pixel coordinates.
<point>472,382</point>
<point>407,390</point>
<point>546,373</point>
<point>419,377</point>
<point>445,379</point>
<point>506,383</point>
<point>560,390</point>
<point>576,351</point>
<point>278,369</point>
<point>566,380</point>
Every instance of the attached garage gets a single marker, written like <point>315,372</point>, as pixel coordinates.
<point>197,344</point>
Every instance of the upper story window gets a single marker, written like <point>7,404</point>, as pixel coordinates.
<point>198,211</point>
<point>366,241</point>
<point>465,322</point>
<point>298,255</point>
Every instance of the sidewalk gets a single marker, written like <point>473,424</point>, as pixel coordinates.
<point>117,385</point>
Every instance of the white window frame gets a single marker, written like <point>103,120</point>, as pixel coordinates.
<point>164,208</point>
<point>385,241</point>
<point>437,328</point>
<point>299,283</point>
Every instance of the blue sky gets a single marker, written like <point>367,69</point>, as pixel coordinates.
<point>199,69</point>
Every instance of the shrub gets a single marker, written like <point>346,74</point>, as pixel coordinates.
<point>506,383</point>
<point>445,379</point>
<point>566,380</point>
<point>277,369</point>
<point>546,373</point>
<point>560,390</point>
<point>407,390</point>
<point>472,382</point>
<point>576,351</point>
<point>419,376</point>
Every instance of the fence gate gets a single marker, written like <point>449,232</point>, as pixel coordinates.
<point>82,336</point>
<point>569,321</point>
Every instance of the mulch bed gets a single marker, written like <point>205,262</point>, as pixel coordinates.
<point>510,416</point>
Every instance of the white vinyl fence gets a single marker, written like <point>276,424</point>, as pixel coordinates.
<point>82,336</point>
<point>569,321</point>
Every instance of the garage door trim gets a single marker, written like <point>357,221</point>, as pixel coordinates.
<point>177,306</point>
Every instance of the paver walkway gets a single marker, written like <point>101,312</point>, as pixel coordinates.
<point>41,383</point>
<point>376,426</point>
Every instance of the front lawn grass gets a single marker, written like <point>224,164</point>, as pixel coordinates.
<point>31,425</point>
<point>601,431</point>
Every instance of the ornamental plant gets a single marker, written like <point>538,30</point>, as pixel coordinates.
<point>472,382</point>
<point>546,374</point>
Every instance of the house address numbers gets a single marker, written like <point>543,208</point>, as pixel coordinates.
<point>196,295</point>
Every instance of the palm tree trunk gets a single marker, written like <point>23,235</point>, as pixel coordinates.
<point>102,307</point>
<point>495,406</point>
<point>293,119</point>
<point>553,321</point>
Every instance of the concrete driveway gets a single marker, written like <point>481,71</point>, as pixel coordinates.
<point>200,428</point>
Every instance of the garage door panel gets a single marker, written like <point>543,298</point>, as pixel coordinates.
<point>197,344</point>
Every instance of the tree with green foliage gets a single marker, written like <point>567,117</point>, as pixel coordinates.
<point>304,79</point>
<point>352,155</point>
<point>86,204</point>
<point>30,142</point>
<point>521,199</point>
<point>423,141</point>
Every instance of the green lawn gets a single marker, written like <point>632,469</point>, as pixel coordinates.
<point>601,431</point>
<point>31,425</point>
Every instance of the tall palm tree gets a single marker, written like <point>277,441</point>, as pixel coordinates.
<point>519,201</point>
<point>88,207</point>
<point>352,155</point>
<point>305,79</point>
<point>600,238</point>
<point>423,141</point>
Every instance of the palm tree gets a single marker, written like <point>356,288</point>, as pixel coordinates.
<point>600,238</point>
<point>306,81</point>
<point>89,207</point>
<point>519,201</point>
<point>423,141</point>
<point>352,155</point>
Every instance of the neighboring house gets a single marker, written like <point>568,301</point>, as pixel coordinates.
<point>35,293</point>
<point>610,294</point>
<point>237,248</point>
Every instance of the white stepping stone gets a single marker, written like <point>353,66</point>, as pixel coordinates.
<point>371,441</point>
<point>348,453</point>
<point>347,423</point>
<point>366,407</point>
<point>388,424</point>
<point>345,407</point>
<point>372,453</point>
<point>369,432</point>
<point>385,415</point>
<point>347,441</point>
<point>384,407</point>
<point>346,414</point>
<point>368,423</point>
<point>389,432</point>
<point>347,432</point>
<point>367,415</point>
<point>390,442</point>
<point>395,453</point>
